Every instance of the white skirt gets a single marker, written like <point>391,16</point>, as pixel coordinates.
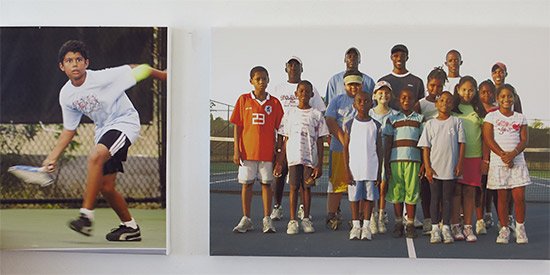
<point>502,177</point>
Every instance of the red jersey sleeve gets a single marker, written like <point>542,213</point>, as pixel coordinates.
<point>236,116</point>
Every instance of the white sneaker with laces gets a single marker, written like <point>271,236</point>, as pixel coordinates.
<point>457,232</point>
<point>382,226</point>
<point>469,233</point>
<point>521,235</point>
<point>277,213</point>
<point>427,227</point>
<point>366,234</point>
<point>447,236</point>
<point>481,227</point>
<point>307,226</point>
<point>503,235</point>
<point>292,227</point>
<point>355,233</point>
<point>435,235</point>
<point>373,225</point>
<point>268,225</point>
<point>245,224</point>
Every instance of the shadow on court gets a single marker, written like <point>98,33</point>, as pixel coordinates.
<point>46,229</point>
<point>225,213</point>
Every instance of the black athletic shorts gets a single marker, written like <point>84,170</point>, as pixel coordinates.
<point>118,144</point>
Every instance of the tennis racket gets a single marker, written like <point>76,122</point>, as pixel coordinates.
<point>32,174</point>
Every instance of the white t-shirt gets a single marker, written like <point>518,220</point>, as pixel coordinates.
<point>450,84</point>
<point>427,109</point>
<point>363,160</point>
<point>285,93</point>
<point>506,132</point>
<point>443,138</point>
<point>102,98</point>
<point>303,128</point>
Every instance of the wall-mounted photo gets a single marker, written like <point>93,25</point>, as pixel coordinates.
<point>83,139</point>
<point>380,141</point>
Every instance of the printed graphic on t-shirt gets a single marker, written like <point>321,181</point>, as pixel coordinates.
<point>87,105</point>
<point>504,126</point>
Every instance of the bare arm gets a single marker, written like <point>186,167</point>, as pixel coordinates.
<point>318,171</point>
<point>387,155</point>
<point>523,139</point>
<point>280,156</point>
<point>427,164</point>
<point>334,129</point>
<point>143,71</point>
<point>461,150</point>
<point>236,141</point>
<point>62,142</point>
<point>348,176</point>
<point>379,155</point>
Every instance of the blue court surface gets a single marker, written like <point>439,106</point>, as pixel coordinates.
<point>225,213</point>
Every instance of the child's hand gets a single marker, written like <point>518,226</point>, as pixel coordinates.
<point>387,167</point>
<point>277,170</point>
<point>348,177</point>
<point>510,164</point>
<point>317,172</point>
<point>422,170</point>
<point>508,157</point>
<point>50,165</point>
<point>484,167</point>
<point>458,170</point>
<point>430,173</point>
<point>237,158</point>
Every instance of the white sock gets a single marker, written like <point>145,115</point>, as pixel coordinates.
<point>88,213</point>
<point>366,223</point>
<point>410,221</point>
<point>356,224</point>
<point>381,214</point>
<point>132,223</point>
<point>434,227</point>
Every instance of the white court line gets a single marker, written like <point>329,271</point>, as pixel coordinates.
<point>224,180</point>
<point>541,184</point>
<point>410,248</point>
<point>224,173</point>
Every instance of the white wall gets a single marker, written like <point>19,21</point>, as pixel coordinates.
<point>191,23</point>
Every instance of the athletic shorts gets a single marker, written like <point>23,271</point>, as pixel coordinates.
<point>363,190</point>
<point>118,145</point>
<point>297,175</point>
<point>502,177</point>
<point>404,182</point>
<point>250,170</point>
<point>471,172</point>
<point>337,184</point>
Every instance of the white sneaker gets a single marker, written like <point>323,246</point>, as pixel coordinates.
<point>307,226</point>
<point>447,236</point>
<point>381,226</point>
<point>521,235</point>
<point>488,219</point>
<point>469,233</point>
<point>277,213</point>
<point>457,232</point>
<point>292,227</point>
<point>503,235</point>
<point>301,212</point>
<point>366,234</point>
<point>373,225</point>
<point>355,233</point>
<point>435,235</point>
<point>386,220</point>
<point>511,223</point>
<point>481,227</point>
<point>427,227</point>
<point>268,225</point>
<point>417,223</point>
<point>244,225</point>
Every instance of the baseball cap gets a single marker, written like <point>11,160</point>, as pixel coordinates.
<point>353,77</point>
<point>295,58</point>
<point>499,65</point>
<point>381,84</point>
<point>399,48</point>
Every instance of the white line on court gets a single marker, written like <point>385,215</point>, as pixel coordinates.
<point>224,180</point>
<point>541,184</point>
<point>224,173</point>
<point>410,248</point>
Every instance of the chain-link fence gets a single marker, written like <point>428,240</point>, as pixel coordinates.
<point>143,182</point>
<point>223,173</point>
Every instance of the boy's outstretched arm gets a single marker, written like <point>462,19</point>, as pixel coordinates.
<point>62,142</point>
<point>143,71</point>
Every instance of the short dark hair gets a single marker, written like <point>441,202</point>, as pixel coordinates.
<point>258,69</point>
<point>353,72</point>
<point>506,87</point>
<point>438,73</point>
<point>306,83</point>
<point>453,51</point>
<point>75,46</point>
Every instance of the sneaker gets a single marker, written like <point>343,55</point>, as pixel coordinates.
<point>277,213</point>
<point>82,225</point>
<point>124,233</point>
<point>397,230</point>
<point>373,225</point>
<point>301,212</point>
<point>511,223</point>
<point>268,225</point>
<point>447,236</point>
<point>481,227</point>
<point>521,235</point>
<point>381,226</point>
<point>410,231</point>
<point>355,233</point>
<point>435,235</point>
<point>386,220</point>
<point>366,234</point>
<point>333,223</point>
<point>292,227</point>
<point>469,233</point>
<point>457,232</point>
<point>417,223</point>
<point>244,225</point>
<point>307,226</point>
<point>503,235</point>
<point>427,227</point>
<point>488,219</point>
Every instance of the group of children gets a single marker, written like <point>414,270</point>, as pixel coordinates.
<point>450,149</point>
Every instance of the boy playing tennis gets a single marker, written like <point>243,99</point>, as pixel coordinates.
<point>100,96</point>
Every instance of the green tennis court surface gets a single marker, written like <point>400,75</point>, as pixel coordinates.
<point>46,229</point>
